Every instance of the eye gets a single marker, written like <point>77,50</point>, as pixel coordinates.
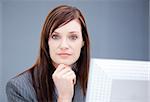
<point>73,37</point>
<point>55,36</point>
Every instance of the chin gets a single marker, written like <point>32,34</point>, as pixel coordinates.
<point>65,62</point>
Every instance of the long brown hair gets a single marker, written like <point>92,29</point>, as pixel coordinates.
<point>43,68</point>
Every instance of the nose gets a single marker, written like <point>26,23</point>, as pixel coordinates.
<point>64,44</point>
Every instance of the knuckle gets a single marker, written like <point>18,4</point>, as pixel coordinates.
<point>55,76</point>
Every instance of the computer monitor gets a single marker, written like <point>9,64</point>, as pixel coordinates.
<point>113,80</point>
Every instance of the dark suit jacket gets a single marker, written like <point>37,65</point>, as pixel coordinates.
<point>20,89</point>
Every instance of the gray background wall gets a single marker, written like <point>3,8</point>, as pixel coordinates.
<point>118,30</point>
<point>149,31</point>
<point>0,49</point>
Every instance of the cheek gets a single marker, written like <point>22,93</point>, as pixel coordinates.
<point>52,45</point>
<point>52,48</point>
<point>77,49</point>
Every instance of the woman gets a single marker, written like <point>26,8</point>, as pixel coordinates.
<point>60,73</point>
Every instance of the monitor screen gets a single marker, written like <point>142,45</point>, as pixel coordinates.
<point>113,80</point>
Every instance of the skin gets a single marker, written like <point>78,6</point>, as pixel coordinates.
<point>65,45</point>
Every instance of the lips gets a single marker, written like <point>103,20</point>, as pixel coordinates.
<point>64,55</point>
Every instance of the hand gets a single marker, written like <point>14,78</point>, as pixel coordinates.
<point>64,79</point>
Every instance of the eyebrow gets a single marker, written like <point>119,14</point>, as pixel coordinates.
<point>74,32</point>
<point>71,32</point>
<point>55,32</point>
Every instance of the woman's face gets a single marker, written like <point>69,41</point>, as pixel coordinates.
<point>65,43</point>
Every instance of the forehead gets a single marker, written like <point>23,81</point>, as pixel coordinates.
<point>72,26</point>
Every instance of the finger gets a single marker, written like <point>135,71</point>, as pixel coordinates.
<point>74,81</point>
<point>67,74</point>
<point>64,71</point>
<point>59,68</point>
<point>71,76</point>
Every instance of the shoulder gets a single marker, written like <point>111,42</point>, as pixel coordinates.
<point>20,87</point>
<point>22,81</point>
